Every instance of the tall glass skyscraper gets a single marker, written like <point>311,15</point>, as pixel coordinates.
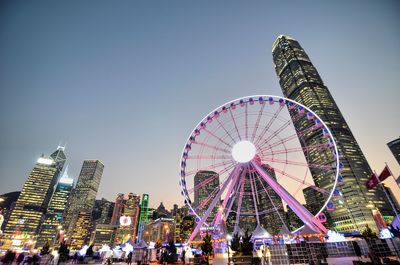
<point>84,194</point>
<point>35,196</point>
<point>52,224</point>
<point>301,82</point>
<point>394,146</point>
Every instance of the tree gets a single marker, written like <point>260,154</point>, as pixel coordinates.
<point>235,243</point>
<point>247,245</point>
<point>207,247</point>
<point>367,233</point>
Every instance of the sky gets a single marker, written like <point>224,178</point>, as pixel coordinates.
<point>125,82</point>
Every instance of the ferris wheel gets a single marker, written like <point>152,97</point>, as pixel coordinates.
<point>250,158</point>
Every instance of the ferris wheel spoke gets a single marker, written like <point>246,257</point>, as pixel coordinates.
<point>213,166</point>
<point>226,131</point>
<point>246,123</point>
<point>211,147</point>
<point>239,205</point>
<point>234,122</point>
<point>297,149</point>
<point>302,181</point>
<point>233,198</point>
<point>285,139</point>
<point>297,208</point>
<point>260,112</point>
<point>237,170</point>
<point>253,194</point>
<point>217,218</point>
<point>266,128</point>
<point>272,202</point>
<point>203,157</point>
<point>217,137</point>
<point>297,163</point>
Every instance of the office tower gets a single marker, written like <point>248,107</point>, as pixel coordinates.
<point>7,203</point>
<point>205,192</point>
<point>144,215</point>
<point>80,233</point>
<point>394,146</point>
<point>34,199</point>
<point>84,195</point>
<point>301,82</point>
<point>104,234</point>
<point>126,217</point>
<point>314,202</point>
<point>102,211</point>
<point>51,227</point>
<point>132,210</point>
<point>118,209</point>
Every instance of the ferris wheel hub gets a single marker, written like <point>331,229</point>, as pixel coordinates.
<point>243,151</point>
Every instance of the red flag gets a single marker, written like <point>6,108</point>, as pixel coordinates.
<point>385,173</point>
<point>373,180</point>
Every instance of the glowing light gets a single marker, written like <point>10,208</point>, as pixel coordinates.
<point>243,151</point>
<point>45,161</point>
<point>69,181</point>
<point>335,237</point>
<point>82,252</point>
<point>127,248</point>
<point>385,234</point>
<point>125,220</point>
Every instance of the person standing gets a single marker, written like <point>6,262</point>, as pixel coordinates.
<point>20,258</point>
<point>129,259</point>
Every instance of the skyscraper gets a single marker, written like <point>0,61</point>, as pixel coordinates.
<point>35,196</point>
<point>205,191</point>
<point>84,194</point>
<point>394,146</point>
<point>53,220</point>
<point>127,208</point>
<point>301,82</point>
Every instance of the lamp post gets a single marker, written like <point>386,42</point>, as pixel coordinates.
<point>228,239</point>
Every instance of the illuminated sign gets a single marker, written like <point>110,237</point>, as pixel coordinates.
<point>125,220</point>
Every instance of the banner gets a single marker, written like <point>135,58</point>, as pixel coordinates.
<point>374,180</point>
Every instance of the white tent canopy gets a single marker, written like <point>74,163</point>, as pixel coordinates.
<point>260,233</point>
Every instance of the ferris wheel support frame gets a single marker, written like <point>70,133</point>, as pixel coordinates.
<point>297,208</point>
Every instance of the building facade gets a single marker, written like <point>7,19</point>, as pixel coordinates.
<point>81,233</point>
<point>126,217</point>
<point>28,212</point>
<point>161,230</point>
<point>104,234</point>
<point>51,227</point>
<point>84,195</point>
<point>394,146</point>
<point>301,82</point>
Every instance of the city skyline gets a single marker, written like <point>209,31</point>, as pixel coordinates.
<point>131,99</point>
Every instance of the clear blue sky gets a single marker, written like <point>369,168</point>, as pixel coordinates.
<point>126,81</point>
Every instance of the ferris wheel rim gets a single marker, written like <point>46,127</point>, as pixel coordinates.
<point>228,104</point>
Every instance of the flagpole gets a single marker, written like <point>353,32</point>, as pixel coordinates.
<point>391,173</point>
<point>387,196</point>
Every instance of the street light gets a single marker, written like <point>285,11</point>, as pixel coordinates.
<point>228,239</point>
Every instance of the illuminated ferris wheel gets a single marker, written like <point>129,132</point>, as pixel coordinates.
<point>251,157</point>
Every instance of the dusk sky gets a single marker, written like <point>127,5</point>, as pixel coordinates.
<point>125,82</point>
